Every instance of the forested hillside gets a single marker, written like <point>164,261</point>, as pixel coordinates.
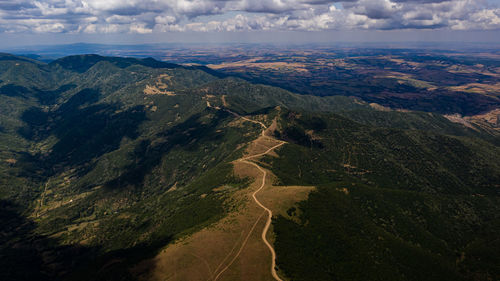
<point>105,161</point>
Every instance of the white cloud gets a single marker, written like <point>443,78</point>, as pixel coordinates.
<point>482,20</point>
<point>165,19</point>
<point>139,28</point>
<point>146,16</point>
<point>48,10</point>
<point>48,27</point>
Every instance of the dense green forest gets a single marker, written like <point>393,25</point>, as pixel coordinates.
<point>400,204</point>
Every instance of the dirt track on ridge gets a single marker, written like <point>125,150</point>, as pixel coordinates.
<point>269,212</point>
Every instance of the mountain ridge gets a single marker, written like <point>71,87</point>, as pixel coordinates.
<point>103,174</point>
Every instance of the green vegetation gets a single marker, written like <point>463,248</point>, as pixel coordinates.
<point>97,174</point>
<point>399,204</point>
<point>390,234</point>
<point>89,159</point>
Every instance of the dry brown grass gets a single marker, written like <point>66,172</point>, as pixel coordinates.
<point>11,161</point>
<point>478,88</point>
<point>492,117</point>
<point>153,90</point>
<point>457,118</point>
<point>379,107</point>
<point>231,249</point>
<point>202,255</point>
<point>300,67</point>
<point>478,68</point>
<point>160,87</point>
<point>281,198</point>
<point>489,121</point>
<point>402,61</point>
<point>224,102</point>
<point>260,145</point>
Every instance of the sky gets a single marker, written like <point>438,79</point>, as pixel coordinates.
<point>28,22</point>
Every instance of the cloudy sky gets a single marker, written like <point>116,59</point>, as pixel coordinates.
<point>132,19</point>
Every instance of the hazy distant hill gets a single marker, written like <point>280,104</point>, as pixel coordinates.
<point>105,160</point>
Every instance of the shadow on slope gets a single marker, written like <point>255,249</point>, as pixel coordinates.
<point>187,134</point>
<point>84,129</point>
<point>25,255</point>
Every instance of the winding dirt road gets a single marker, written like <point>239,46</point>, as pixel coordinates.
<point>269,212</point>
<point>254,196</point>
<point>264,175</point>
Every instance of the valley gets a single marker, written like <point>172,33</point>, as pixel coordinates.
<point>116,168</point>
